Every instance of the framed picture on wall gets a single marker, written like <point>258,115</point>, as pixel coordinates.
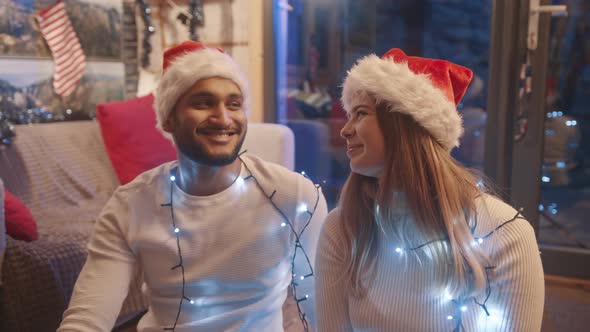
<point>27,66</point>
<point>26,88</point>
<point>97,24</point>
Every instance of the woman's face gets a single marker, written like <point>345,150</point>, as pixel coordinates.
<point>365,145</point>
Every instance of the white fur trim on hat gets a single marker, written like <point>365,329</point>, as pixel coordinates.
<point>190,68</point>
<point>408,93</point>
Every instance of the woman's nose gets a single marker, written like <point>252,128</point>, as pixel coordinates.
<point>347,130</point>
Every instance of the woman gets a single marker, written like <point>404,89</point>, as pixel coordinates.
<point>416,244</point>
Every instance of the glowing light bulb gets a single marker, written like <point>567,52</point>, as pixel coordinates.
<point>302,208</point>
<point>480,240</point>
<point>176,230</point>
<point>399,250</point>
<point>449,317</point>
<point>240,181</point>
<point>464,308</point>
<point>283,224</point>
<point>172,177</point>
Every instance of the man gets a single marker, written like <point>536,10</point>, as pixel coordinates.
<point>219,236</point>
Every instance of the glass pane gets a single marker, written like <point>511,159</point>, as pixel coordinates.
<point>565,195</point>
<point>324,38</point>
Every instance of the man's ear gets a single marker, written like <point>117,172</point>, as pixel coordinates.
<point>168,125</point>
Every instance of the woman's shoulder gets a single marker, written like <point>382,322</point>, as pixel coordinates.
<point>332,226</point>
<point>493,213</point>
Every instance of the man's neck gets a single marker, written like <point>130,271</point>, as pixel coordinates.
<point>203,180</point>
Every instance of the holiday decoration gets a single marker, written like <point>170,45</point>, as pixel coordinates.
<point>6,130</point>
<point>312,104</point>
<point>146,13</point>
<point>31,115</point>
<point>196,10</point>
<point>187,63</point>
<point>428,90</point>
<point>298,247</point>
<point>193,18</point>
<point>69,59</point>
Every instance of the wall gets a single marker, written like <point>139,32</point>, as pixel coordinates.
<point>235,26</point>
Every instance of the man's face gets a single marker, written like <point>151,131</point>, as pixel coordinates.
<point>208,122</point>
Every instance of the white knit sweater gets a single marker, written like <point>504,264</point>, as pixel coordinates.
<point>235,251</point>
<point>404,296</point>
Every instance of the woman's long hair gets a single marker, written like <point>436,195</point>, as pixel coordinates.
<point>439,195</point>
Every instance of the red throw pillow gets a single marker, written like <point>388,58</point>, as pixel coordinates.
<point>20,223</point>
<point>132,141</point>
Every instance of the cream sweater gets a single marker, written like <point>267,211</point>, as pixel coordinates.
<point>404,296</point>
<point>235,251</point>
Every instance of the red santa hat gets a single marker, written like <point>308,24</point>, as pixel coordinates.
<point>428,90</point>
<point>187,63</point>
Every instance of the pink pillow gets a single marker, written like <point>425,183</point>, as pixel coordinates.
<point>20,223</point>
<point>132,141</point>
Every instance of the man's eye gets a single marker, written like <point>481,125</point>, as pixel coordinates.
<point>201,104</point>
<point>235,105</point>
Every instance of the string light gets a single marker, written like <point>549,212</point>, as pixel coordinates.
<point>286,222</point>
<point>240,181</point>
<point>172,178</point>
<point>460,306</point>
<point>302,208</point>
<point>298,247</point>
<point>146,12</point>
<point>180,260</point>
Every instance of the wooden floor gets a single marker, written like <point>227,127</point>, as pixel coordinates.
<point>567,307</point>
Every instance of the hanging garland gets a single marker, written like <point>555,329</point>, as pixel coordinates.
<point>193,18</point>
<point>6,130</point>
<point>196,10</point>
<point>149,29</point>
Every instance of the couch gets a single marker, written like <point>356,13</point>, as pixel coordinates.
<point>63,173</point>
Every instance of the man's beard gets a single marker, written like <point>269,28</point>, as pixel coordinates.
<point>196,152</point>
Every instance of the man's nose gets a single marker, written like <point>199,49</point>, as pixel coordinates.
<point>221,113</point>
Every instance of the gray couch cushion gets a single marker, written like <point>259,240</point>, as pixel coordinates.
<point>58,170</point>
<point>62,173</point>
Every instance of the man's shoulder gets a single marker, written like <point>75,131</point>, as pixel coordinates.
<point>146,182</point>
<point>288,185</point>
<point>273,172</point>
